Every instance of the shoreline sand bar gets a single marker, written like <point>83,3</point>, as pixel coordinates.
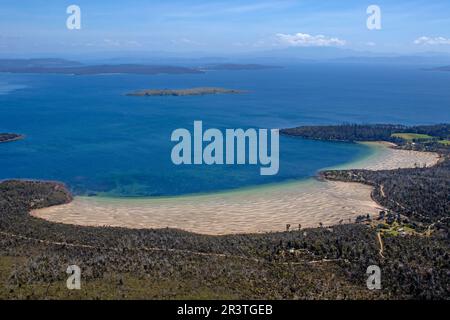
<point>261,209</point>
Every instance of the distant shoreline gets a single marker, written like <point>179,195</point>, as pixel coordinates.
<point>61,66</point>
<point>99,69</point>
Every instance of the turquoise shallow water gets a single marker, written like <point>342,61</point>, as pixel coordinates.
<point>84,131</point>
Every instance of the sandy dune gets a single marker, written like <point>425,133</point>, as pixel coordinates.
<point>260,209</point>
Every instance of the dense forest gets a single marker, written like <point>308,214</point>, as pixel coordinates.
<point>367,132</point>
<point>312,263</point>
<point>421,194</point>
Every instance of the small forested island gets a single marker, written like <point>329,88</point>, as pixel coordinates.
<point>184,92</point>
<point>8,137</point>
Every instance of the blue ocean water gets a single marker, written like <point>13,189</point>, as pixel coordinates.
<point>84,130</point>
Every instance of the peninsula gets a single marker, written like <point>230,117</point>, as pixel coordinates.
<point>8,137</point>
<point>407,236</point>
<point>184,92</point>
<point>59,66</point>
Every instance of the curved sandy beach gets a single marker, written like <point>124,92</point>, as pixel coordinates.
<point>261,209</point>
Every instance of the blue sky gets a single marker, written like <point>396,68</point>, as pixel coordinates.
<point>217,27</point>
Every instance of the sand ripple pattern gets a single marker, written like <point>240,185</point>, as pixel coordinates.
<point>260,209</point>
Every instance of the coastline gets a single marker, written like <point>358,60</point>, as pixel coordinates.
<point>10,137</point>
<point>253,210</point>
<point>199,91</point>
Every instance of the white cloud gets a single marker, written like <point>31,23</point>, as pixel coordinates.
<point>119,43</point>
<point>133,43</point>
<point>307,40</point>
<point>257,7</point>
<point>113,43</point>
<point>371,44</point>
<point>185,41</point>
<point>432,41</point>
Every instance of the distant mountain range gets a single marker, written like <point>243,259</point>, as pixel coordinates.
<point>444,68</point>
<point>172,65</point>
<point>279,56</point>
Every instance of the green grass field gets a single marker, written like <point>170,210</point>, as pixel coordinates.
<point>418,137</point>
<point>445,142</point>
<point>412,136</point>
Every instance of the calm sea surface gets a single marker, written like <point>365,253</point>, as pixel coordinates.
<point>84,130</point>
